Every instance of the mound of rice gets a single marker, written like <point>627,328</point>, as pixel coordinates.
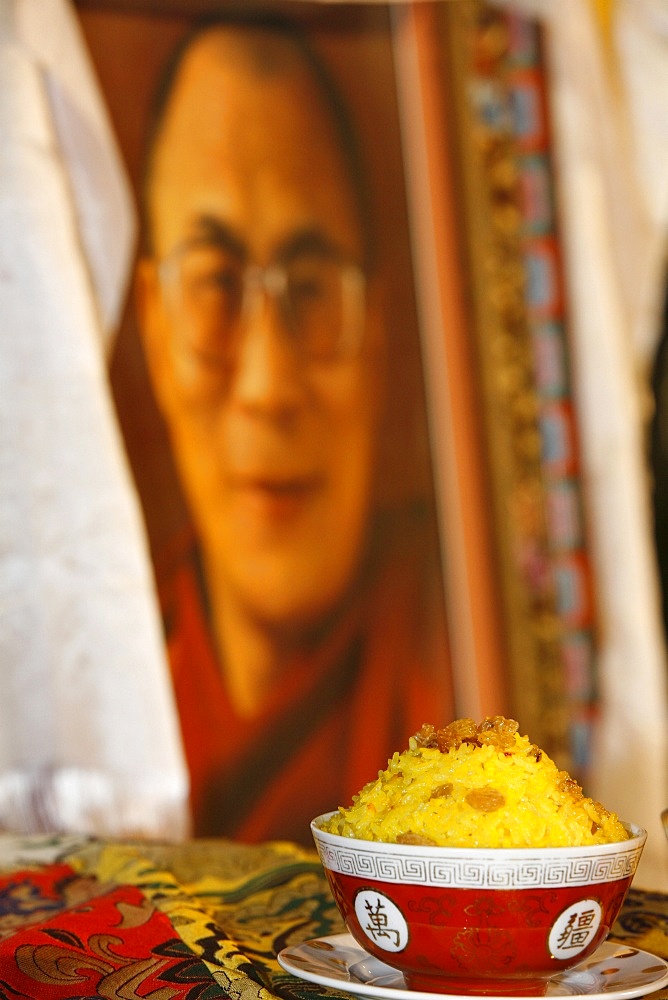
<point>471,785</point>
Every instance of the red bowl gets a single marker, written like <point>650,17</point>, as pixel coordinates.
<point>498,921</point>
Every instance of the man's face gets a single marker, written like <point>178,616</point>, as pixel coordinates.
<point>274,443</point>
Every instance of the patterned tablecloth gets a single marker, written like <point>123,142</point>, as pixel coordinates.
<point>83,918</point>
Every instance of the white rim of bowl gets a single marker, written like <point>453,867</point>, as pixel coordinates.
<point>479,867</point>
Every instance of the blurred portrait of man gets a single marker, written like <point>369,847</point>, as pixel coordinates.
<point>304,620</point>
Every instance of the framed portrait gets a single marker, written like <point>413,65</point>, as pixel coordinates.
<point>459,585</point>
<point>290,504</point>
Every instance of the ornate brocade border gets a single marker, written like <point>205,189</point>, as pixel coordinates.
<point>519,328</point>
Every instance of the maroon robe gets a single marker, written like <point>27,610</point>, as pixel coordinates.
<point>379,672</point>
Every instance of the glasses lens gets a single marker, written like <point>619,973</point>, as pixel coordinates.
<point>315,293</point>
<point>212,283</point>
<point>320,301</point>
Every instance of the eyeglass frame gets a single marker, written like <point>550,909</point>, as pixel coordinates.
<point>272,280</point>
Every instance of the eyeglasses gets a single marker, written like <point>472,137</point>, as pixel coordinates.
<point>320,300</point>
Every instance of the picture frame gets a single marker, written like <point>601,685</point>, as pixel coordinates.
<point>439,91</point>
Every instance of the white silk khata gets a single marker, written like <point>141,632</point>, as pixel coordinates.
<point>89,736</point>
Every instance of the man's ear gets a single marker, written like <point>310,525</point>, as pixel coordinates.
<point>153,329</point>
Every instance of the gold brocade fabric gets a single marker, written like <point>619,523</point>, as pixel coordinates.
<point>200,920</point>
<point>643,923</point>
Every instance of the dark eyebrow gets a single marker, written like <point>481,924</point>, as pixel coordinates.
<point>311,240</point>
<point>209,229</point>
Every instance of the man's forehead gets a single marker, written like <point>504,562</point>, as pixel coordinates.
<point>252,51</point>
<point>249,135</point>
<point>231,77</point>
<point>225,117</point>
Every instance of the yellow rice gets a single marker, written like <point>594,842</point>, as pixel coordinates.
<point>475,786</point>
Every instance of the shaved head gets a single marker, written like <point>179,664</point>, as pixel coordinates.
<point>266,50</point>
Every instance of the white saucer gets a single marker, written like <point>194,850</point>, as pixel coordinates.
<point>613,971</point>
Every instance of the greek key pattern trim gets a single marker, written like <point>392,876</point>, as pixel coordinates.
<point>490,873</point>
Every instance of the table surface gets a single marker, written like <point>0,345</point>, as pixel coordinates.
<point>81,917</point>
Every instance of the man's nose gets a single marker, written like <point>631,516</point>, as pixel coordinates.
<point>268,375</point>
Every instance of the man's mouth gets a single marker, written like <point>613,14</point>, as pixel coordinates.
<point>277,497</point>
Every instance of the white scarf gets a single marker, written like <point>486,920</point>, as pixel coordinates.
<point>89,737</point>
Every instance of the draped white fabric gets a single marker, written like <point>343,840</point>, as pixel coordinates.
<point>613,199</point>
<point>88,732</point>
